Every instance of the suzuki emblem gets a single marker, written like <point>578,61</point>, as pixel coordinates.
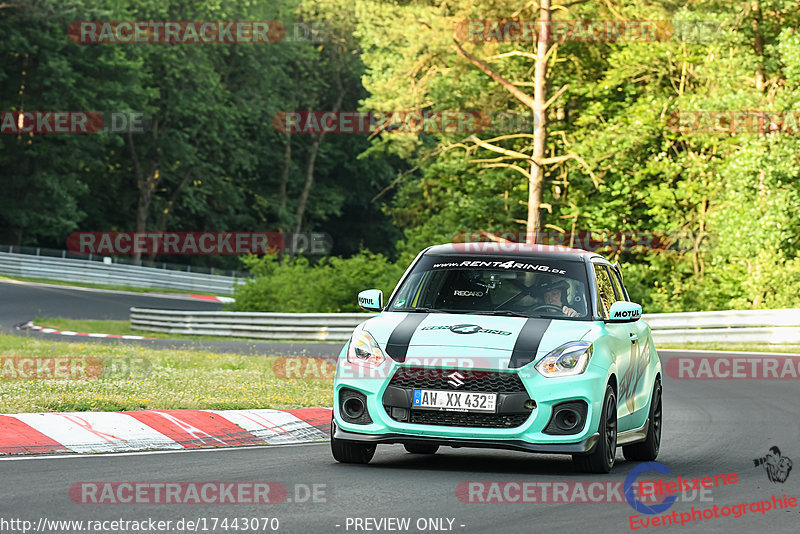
<point>455,379</point>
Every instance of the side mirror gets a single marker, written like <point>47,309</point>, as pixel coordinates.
<point>371,300</point>
<point>624,312</point>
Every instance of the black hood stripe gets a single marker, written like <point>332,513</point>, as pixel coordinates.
<point>397,346</point>
<point>528,342</point>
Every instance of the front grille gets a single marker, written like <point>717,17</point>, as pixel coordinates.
<point>474,420</point>
<point>479,381</point>
<point>411,378</point>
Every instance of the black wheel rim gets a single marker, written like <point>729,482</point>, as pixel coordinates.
<point>657,419</point>
<point>611,430</point>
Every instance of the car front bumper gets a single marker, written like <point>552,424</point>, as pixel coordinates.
<point>580,447</point>
<point>529,436</point>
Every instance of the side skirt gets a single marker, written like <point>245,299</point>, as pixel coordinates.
<point>633,436</point>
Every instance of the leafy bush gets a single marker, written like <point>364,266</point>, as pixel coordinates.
<point>328,286</point>
<point>767,280</point>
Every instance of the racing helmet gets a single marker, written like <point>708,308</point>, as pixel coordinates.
<point>551,285</point>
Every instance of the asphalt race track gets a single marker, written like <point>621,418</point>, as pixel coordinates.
<point>711,427</point>
<point>22,301</point>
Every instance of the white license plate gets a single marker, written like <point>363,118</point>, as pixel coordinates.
<point>454,401</point>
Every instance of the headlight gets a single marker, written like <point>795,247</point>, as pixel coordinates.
<point>567,360</point>
<point>364,350</point>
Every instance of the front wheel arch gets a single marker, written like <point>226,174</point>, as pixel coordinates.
<point>612,381</point>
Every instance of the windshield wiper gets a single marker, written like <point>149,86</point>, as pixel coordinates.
<point>430,310</point>
<point>508,313</point>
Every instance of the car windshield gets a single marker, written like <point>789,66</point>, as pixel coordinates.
<point>526,287</point>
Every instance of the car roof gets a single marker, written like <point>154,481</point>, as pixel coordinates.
<point>517,250</point>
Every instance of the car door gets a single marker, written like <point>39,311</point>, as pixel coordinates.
<point>637,379</point>
<point>620,338</point>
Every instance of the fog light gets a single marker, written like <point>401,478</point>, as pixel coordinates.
<point>567,419</point>
<point>353,407</point>
<point>530,404</point>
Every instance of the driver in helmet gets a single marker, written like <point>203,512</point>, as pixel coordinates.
<point>555,294</point>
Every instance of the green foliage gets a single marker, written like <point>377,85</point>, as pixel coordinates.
<point>212,154</point>
<point>729,201</point>
<point>328,286</point>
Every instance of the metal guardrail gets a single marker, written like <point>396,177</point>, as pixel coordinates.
<point>122,260</point>
<point>773,327</point>
<point>95,272</point>
<point>295,326</point>
<point>756,326</point>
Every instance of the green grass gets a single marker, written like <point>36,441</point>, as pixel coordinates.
<point>138,378</point>
<point>729,347</point>
<point>130,289</point>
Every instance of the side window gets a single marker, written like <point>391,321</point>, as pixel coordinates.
<point>605,290</point>
<point>618,275</point>
<point>615,281</point>
<point>406,294</point>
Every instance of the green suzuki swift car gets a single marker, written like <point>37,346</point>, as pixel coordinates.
<point>499,345</point>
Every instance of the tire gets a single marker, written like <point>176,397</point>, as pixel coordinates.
<point>351,452</point>
<point>601,457</point>
<point>421,448</point>
<point>647,450</point>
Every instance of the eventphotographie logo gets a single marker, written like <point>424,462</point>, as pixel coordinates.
<point>777,466</point>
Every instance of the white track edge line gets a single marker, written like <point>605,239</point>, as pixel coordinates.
<point>143,453</point>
